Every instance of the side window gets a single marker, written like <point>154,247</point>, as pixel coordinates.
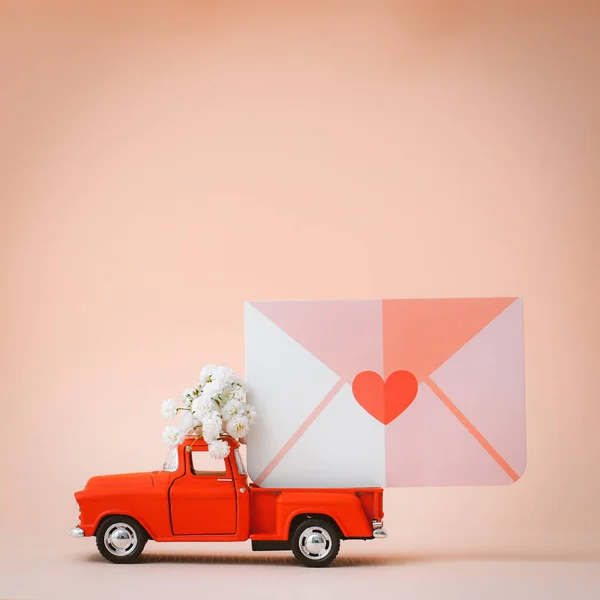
<point>203,464</point>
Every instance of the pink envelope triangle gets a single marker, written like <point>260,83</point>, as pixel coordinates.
<point>486,381</point>
<point>346,335</point>
<point>429,447</point>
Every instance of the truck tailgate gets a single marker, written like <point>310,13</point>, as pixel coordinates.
<point>372,503</point>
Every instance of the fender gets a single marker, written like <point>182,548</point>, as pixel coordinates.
<point>125,513</point>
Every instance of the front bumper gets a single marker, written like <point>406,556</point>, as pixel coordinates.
<point>76,532</point>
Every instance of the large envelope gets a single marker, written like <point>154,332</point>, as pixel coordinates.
<point>418,392</point>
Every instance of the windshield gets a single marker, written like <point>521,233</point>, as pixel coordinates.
<point>172,460</point>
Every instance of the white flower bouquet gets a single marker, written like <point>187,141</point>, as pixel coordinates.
<point>214,408</point>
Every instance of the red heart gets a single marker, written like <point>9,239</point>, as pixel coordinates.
<point>385,400</point>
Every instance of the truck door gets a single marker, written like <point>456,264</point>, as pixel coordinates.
<point>203,501</point>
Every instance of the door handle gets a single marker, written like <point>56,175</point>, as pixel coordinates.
<point>224,479</point>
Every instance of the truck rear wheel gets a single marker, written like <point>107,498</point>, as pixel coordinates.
<point>121,539</point>
<point>315,543</point>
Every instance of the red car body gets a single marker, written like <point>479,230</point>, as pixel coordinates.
<point>187,505</point>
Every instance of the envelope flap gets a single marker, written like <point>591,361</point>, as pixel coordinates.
<point>419,335</point>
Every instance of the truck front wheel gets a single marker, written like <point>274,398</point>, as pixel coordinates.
<point>315,543</point>
<point>121,539</point>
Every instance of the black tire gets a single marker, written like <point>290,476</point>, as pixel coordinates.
<point>112,537</point>
<point>322,549</point>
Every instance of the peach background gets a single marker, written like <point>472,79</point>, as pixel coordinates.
<point>159,166</point>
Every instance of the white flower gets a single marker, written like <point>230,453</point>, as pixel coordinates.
<point>238,382</point>
<point>233,407</point>
<point>218,449</point>
<point>237,426</point>
<point>223,376</point>
<point>202,405</point>
<point>206,374</point>
<point>250,412</point>
<point>172,436</point>
<point>217,402</point>
<point>211,426</point>
<point>187,397</point>
<point>168,409</point>
<point>233,393</point>
<point>186,420</point>
<point>212,389</point>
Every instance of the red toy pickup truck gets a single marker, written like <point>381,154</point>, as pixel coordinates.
<point>198,499</point>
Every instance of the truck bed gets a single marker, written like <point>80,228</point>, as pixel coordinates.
<point>274,511</point>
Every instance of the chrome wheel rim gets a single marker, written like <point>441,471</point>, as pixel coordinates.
<point>315,543</point>
<point>120,539</point>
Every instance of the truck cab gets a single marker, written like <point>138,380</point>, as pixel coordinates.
<point>195,498</point>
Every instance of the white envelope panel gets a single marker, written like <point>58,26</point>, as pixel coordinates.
<point>286,383</point>
<point>343,447</point>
